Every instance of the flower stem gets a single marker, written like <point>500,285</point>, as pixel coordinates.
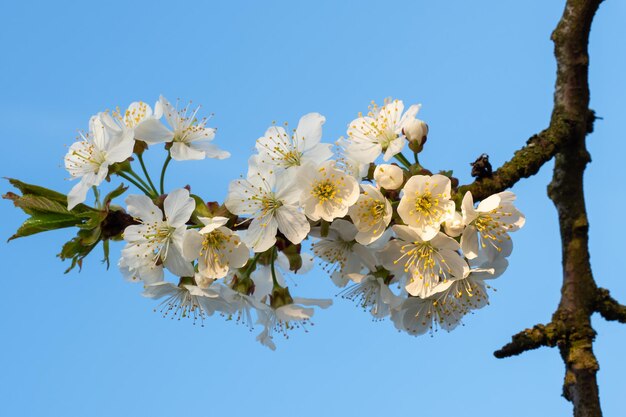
<point>273,268</point>
<point>165,164</point>
<point>251,266</point>
<point>140,180</point>
<point>402,159</point>
<point>145,171</point>
<point>97,195</point>
<point>135,183</point>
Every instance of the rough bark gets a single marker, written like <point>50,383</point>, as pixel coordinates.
<point>570,327</point>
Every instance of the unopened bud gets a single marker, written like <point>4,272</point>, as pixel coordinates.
<point>454,226</point>
<point>280,297</point>
<point>243,285</point>
<point>389,177</point>
<point>415,131</point>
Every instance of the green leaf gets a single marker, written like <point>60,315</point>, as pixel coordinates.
<point>201,208</point>
<point>33,204</point>
<point>45,222</point>
<point>76,250</point>
<point>35,190</point>
<point>114,194</point>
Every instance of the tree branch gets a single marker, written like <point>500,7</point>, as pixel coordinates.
<point>525,163</point>
<point>571,121</point>
<point>530,339</point>
<point>570,38</point>
<point>609,308</point>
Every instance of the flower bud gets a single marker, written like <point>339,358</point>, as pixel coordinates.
<point>454,226</point>
<point>415,131</point>
<point>389,177</point>
<point>280,297</point>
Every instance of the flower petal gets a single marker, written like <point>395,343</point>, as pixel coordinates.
<point>292,223</point>
<point>178,207</point>
<point>182,152</point>
<point>153,131</point>
<point>142,207</point>
<point>309,131</point>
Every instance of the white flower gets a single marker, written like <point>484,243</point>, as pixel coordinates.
<point>280,149</point>
<point>380,131</point>
<point>491,221</point>
<point>371,215</point>
<point>155,240</point>
<point>463,295</point>
<point>243,306</point>
<point>371,293</point>
<point>186,301</point>
<point>148,274</point>
<point>388,176</point>
<point>89,159</point>
<point>451,301</point>
<point>426,204</point>
<point>342,254</point>
<point>272,202</point>
<point>415,131</point>
<point>216,247</point>
<point>137,113</point>
<point>327,192</point>
<point>417,316</point>
<point>427,263</point>
<point>190,136</point>
<point>288,317</point>
<point>488,265</point>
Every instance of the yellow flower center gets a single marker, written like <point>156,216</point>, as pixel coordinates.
<point>325,190</point>
<point>424,203</point>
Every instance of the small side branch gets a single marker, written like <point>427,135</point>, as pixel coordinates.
<point>530,339</point>
<point>609,308</point>
<point>525,163</point>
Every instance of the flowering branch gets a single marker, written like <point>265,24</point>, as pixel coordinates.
<point>405,244</point>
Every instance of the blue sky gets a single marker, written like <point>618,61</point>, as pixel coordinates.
<point>88,344</point>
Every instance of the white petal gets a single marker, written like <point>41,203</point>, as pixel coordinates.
<point>317,154</point>
<point>212,223</point>
<point>210,150</point>
<point>77,194</point>
<point>176,264</point>
<point>178,206</point>
<point>292,223</point>
<point>467,208</point>
<point>394,148</point>
<point>261,234</point>
<point>469,242</point>
<point>142,207</point>
<point>182,152</point>
<point>317,302</point>
<point>153,131</point>
<point>192,245</point>
<point>263,284</point>
<point>490,203</point>
<point>309,130</point>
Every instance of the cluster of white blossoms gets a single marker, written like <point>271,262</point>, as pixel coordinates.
<point>393,236</point>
